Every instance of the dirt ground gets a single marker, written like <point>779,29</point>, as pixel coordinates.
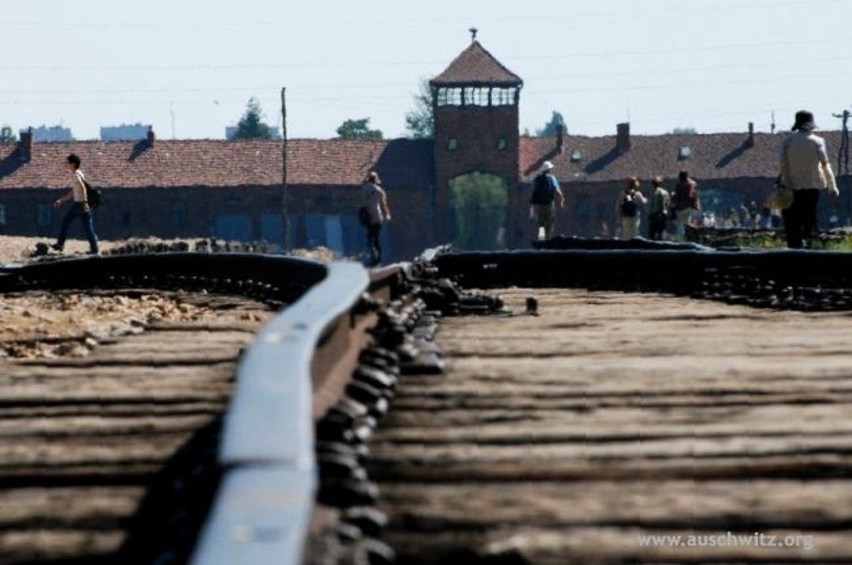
<point>15,248</point>
<point>46,325</point>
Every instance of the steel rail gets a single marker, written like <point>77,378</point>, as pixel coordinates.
<point>677,271</point>
<point>262,511</point>
<point>296,367</point>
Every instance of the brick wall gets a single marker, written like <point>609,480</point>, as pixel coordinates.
<point>487,141</point>
<point>250,212</point>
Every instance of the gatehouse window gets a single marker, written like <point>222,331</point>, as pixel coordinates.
<point>449,96</point>
<point>583,207</point>
<point>43,215</point>
<point>180,214</point>
<point>503,96</point>
<point>476,96</point>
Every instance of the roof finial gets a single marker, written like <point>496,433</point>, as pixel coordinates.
<point>473,31</point>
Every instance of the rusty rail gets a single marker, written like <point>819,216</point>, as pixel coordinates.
<point>298,366</point>
<point>295,370</point>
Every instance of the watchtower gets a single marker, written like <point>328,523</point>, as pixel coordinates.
<point>476,150</point>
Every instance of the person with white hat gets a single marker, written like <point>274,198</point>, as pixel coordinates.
<point>804,169</point>
<point>546,193</point>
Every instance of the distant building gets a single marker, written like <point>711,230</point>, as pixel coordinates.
<point>51,133</point>
<point>468,186</point>
<point>125,132</point>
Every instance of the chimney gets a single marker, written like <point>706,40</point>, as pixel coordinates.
<point>560,138</point>
<point>25,146</point>
<point>151,136</point>
<point>622,138</point>
<point>750,141</point>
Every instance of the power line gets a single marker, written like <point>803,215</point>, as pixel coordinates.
<point>567,56</point>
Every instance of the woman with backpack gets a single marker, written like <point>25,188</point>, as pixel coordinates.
<point>628,209</point>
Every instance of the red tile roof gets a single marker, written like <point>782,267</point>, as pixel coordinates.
<point>712,156</point>
<point>401,163</point>
<point>475,65</point>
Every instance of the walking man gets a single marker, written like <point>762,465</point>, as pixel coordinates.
<point>546,192</point>
<point>804,169</point>
<point>79,209</point>
<point>373,213</point>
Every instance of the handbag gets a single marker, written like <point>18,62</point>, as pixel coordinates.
<point>782,196</point>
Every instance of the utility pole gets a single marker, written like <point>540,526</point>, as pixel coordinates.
<point>843,153</point>
<point>843,162</point>
<point>286,197</point>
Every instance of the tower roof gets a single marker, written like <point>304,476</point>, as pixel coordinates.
<point>475,65</point>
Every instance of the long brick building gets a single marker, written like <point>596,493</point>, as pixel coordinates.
<point>469,185</point>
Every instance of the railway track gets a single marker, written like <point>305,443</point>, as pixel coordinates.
<point>116,373</point>
<point>196,407</point>
<point>104,408</point>
<point>222,427</point>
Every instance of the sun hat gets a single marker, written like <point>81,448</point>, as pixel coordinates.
<point>546,166</point>
<point>804,120</point>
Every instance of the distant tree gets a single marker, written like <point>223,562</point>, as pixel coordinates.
<point>7,135</point>
<point>420,121</point>
<point>683,131</point>
<point>358,129</point>
<point>251,125</point>
<point>551,128</point>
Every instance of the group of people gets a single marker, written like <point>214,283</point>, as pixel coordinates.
<point>805,172</point>
<point>663,206</point>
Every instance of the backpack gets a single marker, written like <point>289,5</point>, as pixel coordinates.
<point>543,192</point>
<point>628,207</point>
<point>93,195</point>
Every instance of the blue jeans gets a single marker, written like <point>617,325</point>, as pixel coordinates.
<point>375,244</point>
<point>77,210</point>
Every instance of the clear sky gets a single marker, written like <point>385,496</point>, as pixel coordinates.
<point>189,66</point>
